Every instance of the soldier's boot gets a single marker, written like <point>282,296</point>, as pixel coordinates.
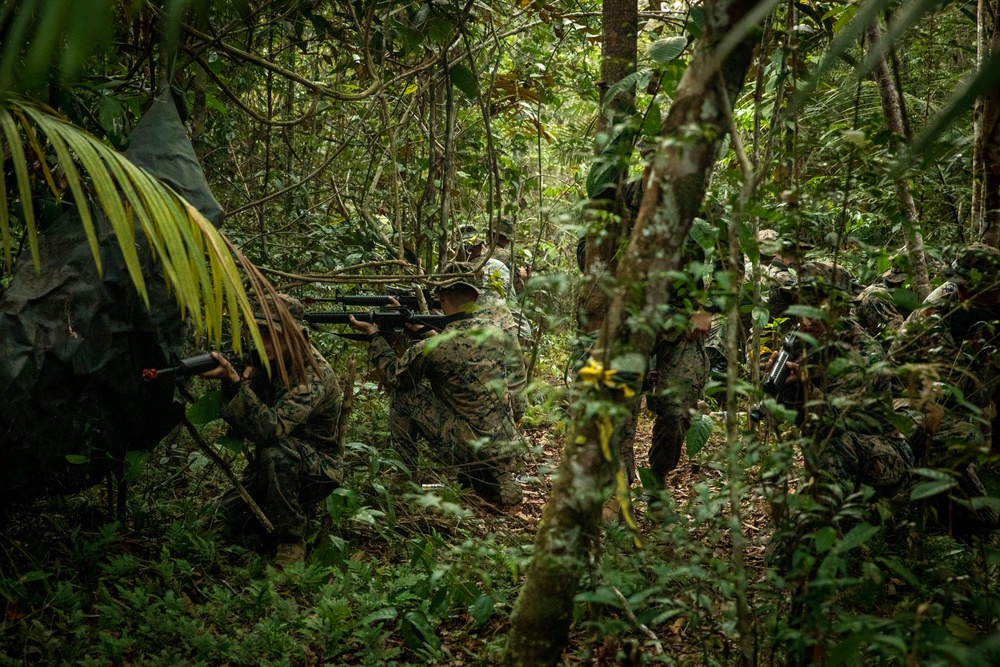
<point>509,491</point>
<point>288,553</point>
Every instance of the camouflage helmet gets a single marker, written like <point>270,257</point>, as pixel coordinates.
<point>469,234</point>
<point>977,267</point>
<point>273,321</point>
<point>816,283</point>
<point>768,242</point>
<point>505,226</point>
<point>457,269</point>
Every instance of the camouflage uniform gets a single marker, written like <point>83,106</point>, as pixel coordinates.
<point>455,394</point>
<point>876,311</point>
<point>948,348</point>
<point>495,310</point>
<point>845,408</point>
<point>297,462</point>
<point>682,369</point>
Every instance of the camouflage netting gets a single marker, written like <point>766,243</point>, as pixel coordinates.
<point>72,402</point>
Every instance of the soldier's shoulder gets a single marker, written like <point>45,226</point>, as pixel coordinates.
<point>948,291</point>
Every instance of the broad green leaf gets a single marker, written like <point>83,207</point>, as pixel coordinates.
<point>983,502</point>
<point>231,443</point>
<point>135,462</point>
<point>801,310</point>
<point>929,489</point>
<point>417,631</point>
<point>704,234</point>
<point>603,174</point>
<point>623,84</point>
<point>698,434</point>
<point>665,50</point>
<point>651,125</point>
<point>205,409</point>
<point>482,609</point>
<point>825,538</point>
<point>463,79</point>
<point>77,459</point>
<point>856,537</point>
<point>383,614</point>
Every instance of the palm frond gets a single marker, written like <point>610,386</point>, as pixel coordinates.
<point>197,260</point>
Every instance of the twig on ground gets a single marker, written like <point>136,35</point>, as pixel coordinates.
<point>631,616</point>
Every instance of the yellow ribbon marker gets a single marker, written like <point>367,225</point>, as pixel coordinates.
<point>595,374</point>
<point>605,428</point>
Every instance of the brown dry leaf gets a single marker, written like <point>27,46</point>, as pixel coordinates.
<point>678,625</point>
<point>14,612</point>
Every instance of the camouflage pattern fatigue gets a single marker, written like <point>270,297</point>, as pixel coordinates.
<point>497,286</point>
<point>455,394</point>
<point>495,310</point>
<point>715,345</point>
<point>947,343</point>
<point>876,311</point>
<point>777,279</point>
<point>496,278</point>
<point>845,410</point>
<point>682,367</point>
<point>297,460</point>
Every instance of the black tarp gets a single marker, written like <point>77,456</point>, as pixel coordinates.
<point>73,343</point>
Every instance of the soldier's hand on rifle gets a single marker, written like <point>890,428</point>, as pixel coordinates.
<point>224,371</point>
<point>793,368</point>
<point>368,328</point>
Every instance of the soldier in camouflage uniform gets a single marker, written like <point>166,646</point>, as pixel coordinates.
<point>948,369</point>
<point>456,393</point>
<point>840,391</point>
<point>877,310</point>
<point>297,457</point>
<point>496,297</point>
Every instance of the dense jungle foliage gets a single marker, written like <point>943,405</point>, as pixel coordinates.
<point>347,143</point>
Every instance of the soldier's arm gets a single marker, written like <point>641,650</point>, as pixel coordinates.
<point>262,423</point>
<point>402,372</point>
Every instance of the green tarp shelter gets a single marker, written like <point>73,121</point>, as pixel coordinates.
<point>73,343</point>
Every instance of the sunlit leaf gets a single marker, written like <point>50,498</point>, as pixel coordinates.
<point>665,50</point>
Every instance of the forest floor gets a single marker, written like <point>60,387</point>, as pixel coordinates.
<point>64,546</point>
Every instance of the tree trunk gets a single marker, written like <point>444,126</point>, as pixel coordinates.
<point>987,139</point>
<point>894,120</point>
<point>569,532</point>
<point>620,19</point>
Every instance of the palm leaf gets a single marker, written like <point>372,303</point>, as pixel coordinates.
<point>197,260</point>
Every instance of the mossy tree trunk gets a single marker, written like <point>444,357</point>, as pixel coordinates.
<point>986,170</point>
<point>892,109</point>
<point>691,135</point>
<point>609,217</point>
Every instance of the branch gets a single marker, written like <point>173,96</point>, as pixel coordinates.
<point>221,462</point>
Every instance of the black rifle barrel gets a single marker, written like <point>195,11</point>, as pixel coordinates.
<point>196,365</point>
<point>387,320</point>
<point>406,300</point>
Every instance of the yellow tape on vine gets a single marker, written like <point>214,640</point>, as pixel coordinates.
<point>605,428</point>
<point>595,374</point>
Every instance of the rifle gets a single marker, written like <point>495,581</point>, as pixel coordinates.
<point>198,364</point>
<point>388,321</point>
<point>774,382</point>
<point>404,298</point>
